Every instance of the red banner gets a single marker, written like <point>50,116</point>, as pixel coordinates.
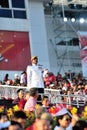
<point>83,51</point>
<point>14,50</point>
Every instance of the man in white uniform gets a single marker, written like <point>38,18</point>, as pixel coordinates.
<point>34,75</point>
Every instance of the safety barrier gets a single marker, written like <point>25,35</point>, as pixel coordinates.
<point>10,92</point>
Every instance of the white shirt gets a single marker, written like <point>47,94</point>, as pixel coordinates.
<point>61,128</point>
<point>34,77</point>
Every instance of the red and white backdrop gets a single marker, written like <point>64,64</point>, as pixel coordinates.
<point>83,51</point>
<point>14,50</point>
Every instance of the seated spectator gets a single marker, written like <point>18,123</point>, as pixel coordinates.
<point>16,80</point>
<point>32,101</point>
<point>7,81</point>
<point>20,117</point>
<point>6,78</point>
<point>20,94</point>
<point>49,79</point>
<point>59,77</point>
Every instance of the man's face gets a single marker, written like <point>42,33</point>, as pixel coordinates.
<point>43,125</point>
<point>22,122</point>
<point>21,94</point>
<point>35,61</point>
<point>46,102</point>
<point>14,127</point>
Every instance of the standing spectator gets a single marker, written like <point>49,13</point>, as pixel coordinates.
<point>22,102</point>
<point>20,94</point>
<point>38,113</point>
<point>14,126</point>
<point>42,122</point>
<point>63,119</point>
<point>45,116</point>
<point>20,117</point>
<point>34,74</point>
<point>80,125</point>
<point>32,101</point>
<point>23,79</point>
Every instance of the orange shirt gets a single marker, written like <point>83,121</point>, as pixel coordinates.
<point>32,127</point>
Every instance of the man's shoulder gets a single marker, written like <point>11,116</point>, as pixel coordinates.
<point>29,66</point>
<point>32,67</point>
<point>16,100</point>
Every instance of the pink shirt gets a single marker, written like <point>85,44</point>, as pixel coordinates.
<point>30,104</point>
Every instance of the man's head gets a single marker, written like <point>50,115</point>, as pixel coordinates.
<point>14,126</point>
<point>39,111</point>
<point>27,95</point>
<point>34,59</point>
<point>33,92</point>
<point>45,101</point>
<point>20,117</point>
<point>45,122</point>
<point>20,93</point>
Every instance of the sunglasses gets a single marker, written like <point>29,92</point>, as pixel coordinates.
<point>67,119</point>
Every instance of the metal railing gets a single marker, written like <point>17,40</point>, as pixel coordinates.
<point>10,92</point>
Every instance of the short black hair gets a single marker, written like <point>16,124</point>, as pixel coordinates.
<point>19,114</point>
<point>19,90</point>
<point>33,91</point>
<point>80,125</point>
<point>45,97</point>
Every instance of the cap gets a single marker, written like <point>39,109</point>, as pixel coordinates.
<point>5,124</point>
<point>34,57</point>
<point>63,111</point>
<point>59,111</point>
<point>15,75</point>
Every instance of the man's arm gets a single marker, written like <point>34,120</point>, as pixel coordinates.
<point>29,74</point>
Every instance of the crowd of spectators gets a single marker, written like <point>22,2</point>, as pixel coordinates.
<point>46,116</point>
<point>50,79</point>
<point>17,81</point>
<point>68,84</point>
